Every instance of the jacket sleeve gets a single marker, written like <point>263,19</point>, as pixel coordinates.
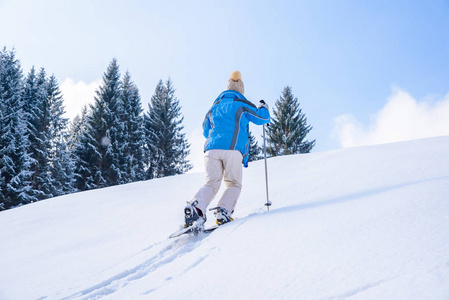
<point>258,116</point>
<point>206,125</point>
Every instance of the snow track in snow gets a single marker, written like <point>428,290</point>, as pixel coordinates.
<point>162,255</point>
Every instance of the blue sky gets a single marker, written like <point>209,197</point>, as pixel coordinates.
<point>358,68</point>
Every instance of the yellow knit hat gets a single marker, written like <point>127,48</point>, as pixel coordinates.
<point>236,76</point>
<point>235,82</point>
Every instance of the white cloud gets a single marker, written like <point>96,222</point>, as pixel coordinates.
<point>402,118</point>
<point>77,94</point>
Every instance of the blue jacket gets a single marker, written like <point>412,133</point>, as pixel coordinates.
<point>226,125</point>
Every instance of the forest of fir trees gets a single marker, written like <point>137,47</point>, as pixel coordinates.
<point>112,141</point>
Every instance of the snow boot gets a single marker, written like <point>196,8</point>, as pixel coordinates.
<point>193,214</point>
<point>222,215</point>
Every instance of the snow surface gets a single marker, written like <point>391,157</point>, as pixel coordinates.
<point>359,223</point>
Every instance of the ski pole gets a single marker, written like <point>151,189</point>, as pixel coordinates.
<point>268,204</point>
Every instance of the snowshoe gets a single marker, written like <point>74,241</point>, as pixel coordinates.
<point>194,229</point>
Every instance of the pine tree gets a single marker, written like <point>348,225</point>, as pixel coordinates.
<point>87,158</point>
<point>99,149</point>
<point>254,149</point>
<point>47,130</point>
<point>37,114</point>
<point>114,162</point>
<point>76,128</point>
<point>167,146</point>
<point>288,129</point>
<point>61,161</point>
<point>15,160</point>
<point>133,142</point>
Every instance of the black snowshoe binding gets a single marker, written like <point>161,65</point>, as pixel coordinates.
<point>193,216</point>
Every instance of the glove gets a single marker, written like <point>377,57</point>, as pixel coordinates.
<point>262,104</point>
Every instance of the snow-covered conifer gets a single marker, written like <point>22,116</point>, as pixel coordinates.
<point>76,127</point>
<point>61,161</point>
<point>99,148</point>
<point>288,129</point>
<point>15,160</point>
<point>37,114</point>
<point>133,142</point>
<point>167,146</point>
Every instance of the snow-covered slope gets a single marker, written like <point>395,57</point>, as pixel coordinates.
<point>360,223</point>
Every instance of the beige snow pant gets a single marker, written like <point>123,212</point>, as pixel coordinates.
<point>219,164</point>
